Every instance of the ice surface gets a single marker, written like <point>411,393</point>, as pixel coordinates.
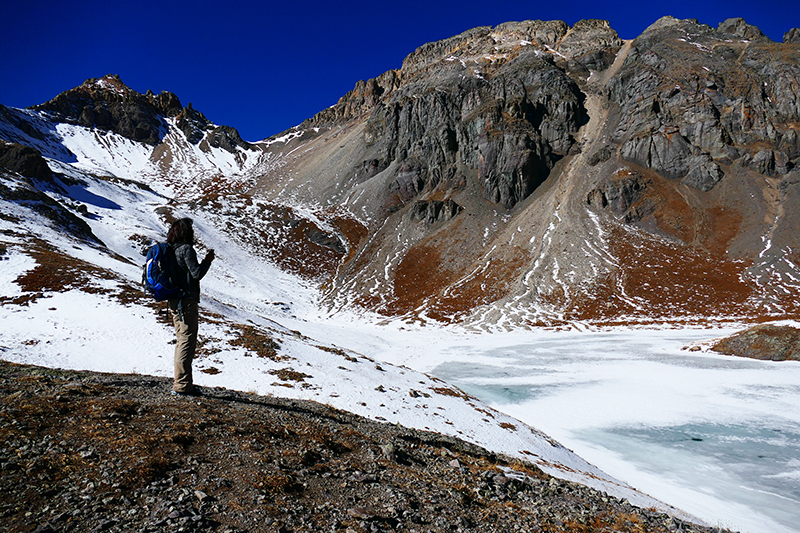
<point>716,436</point>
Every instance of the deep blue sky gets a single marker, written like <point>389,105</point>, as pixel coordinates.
<point>263,67</point>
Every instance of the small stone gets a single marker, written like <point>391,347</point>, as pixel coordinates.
<point>362,513</point>
<point>389,451</point>
<point>202,496</point>
<point>104,524</point>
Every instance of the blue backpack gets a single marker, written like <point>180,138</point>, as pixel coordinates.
<point>161,277</point>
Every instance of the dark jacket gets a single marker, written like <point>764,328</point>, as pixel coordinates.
<point>193,271</point>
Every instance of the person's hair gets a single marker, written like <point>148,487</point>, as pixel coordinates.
<point>181,232</point>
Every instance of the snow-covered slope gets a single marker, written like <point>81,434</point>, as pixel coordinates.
<point>73,302</point>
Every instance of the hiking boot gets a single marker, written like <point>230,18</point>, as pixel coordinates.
<point>194,391</point>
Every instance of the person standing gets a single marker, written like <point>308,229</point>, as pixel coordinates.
<point>184,311</point>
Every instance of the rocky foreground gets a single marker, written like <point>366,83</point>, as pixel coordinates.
<point>84,451</point>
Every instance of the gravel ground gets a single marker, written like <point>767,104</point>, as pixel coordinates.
<point>84,451</point>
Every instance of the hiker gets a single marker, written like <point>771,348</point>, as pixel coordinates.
<point>184,310</point>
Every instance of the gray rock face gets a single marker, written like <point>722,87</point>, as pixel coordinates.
<point>692,97</point>
<point>590,45</point>
<point>667,154</point>
<point>703,173</point>
<point>435,211</point>
<point>467,103</point>
<point>686,93</point>
<point>768,162</point>
<point>741,29</point>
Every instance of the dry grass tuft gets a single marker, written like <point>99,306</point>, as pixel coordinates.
<point>256,341</point>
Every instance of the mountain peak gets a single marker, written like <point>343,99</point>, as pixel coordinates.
<point>110,82</point>
<point>108,104</point>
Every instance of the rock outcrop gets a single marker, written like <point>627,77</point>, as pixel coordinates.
<point>693,100</point>
<point>767,342</point>
<point>24,160</point>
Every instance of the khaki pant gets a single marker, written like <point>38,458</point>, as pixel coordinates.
<point>185,321</point>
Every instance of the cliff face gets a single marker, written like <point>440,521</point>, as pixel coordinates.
<point>533,173</point>
<point>490,104</point>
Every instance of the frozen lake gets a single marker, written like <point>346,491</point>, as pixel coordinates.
<point>716,436</point>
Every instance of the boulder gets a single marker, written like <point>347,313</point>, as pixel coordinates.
<point>769,162</point>
<point>619,193</point>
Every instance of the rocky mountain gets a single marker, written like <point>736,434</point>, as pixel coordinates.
<point>107,104</point>
<point>534,173</point>
<point>512,176</point>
